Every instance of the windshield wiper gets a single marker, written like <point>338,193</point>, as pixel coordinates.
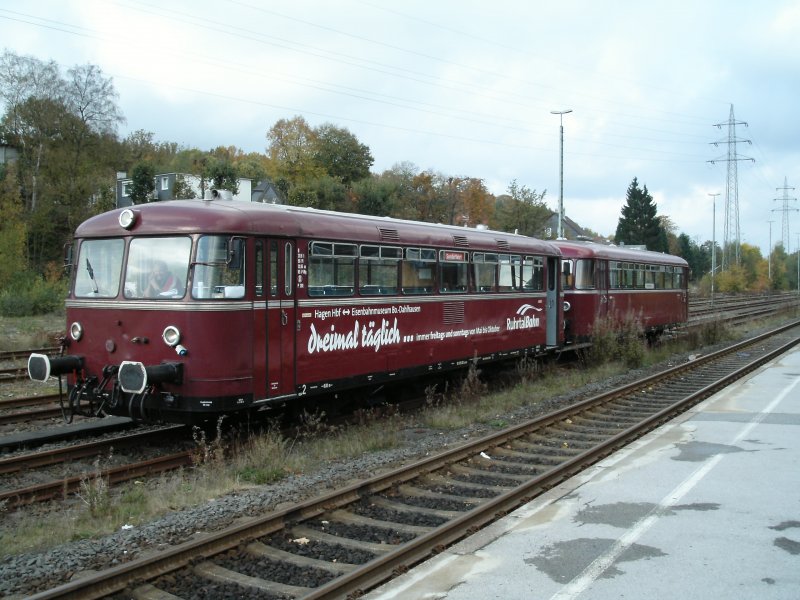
<point>90,270</point>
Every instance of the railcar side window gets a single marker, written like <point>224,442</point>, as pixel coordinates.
<point>533,274</point>
<point>259,268</point>
<point>99,268</point>
<point>452,271</point>
<point>419,267</point>
<point>378,269</point>
<point>331,269</point>
<point>567,273</point>
<point>509,276</point>
<point>485,265</point>
<point>584,274</point>
<point>219,268</point>
<point>157,267</point>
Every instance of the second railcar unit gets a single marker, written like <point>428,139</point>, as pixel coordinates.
<point>182,310</point>
<point>615,282</point>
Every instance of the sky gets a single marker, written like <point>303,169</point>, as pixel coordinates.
<point>467,88</point>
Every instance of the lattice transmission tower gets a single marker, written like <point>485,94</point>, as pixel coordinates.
<point>785,210</point>
<point>731,249</point>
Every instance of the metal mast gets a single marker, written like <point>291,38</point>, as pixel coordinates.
<point>785,210</point>
<point>731,248</point>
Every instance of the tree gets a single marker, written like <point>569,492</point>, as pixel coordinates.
<point>24,77</point>
<point>291,148</point>
<point>64,129</point>
<point>375,196</point>
<point>182,189</point>
<point>142,182</point>
<point>222,175</point>
<point>92,98</point>
<point>339,153</point>
<point>13,232</point>
<point>639,223</point>
<point>522,210</point>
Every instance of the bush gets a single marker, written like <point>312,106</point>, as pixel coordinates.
<point>29,294</point>
<point>618,339</point>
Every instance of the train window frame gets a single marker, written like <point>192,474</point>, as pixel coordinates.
<point>484,266</point>
<point>107,266</point>
<point>378,270</point>
<point>288,270</point>
<point>509,268</point>
<point>331,268</point>
<point>584,274</point>
<point>453,271</point>
<point>418,271</point>
<point>533,278</point>
<point>568,275</point>
<point>259,267</point>
<point>216,275</point>
<point>144,253</point>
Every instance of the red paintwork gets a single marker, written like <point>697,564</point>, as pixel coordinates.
<point>255,349</point>
<point>656,308</point>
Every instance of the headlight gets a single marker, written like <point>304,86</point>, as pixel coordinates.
<point>171,336</point>
<point>567,306</point>
<point>127,218</point>
<point>76,331</point>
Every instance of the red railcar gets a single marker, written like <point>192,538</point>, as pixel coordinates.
<point>615,282</point>
<point>183,310</point>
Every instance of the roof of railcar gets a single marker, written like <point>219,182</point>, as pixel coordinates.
<point>245,218</point>
<point>577,249</point>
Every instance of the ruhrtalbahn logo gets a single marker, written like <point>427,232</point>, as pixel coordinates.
<point>523,320</point>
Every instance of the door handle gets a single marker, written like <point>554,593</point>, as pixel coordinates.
<point>284,317</point>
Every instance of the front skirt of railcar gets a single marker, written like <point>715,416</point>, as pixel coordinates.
<point>131,389</point>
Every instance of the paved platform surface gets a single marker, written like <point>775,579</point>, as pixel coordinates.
<point>707,506</point>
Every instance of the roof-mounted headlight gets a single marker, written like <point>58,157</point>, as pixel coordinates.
<point>127,218</point>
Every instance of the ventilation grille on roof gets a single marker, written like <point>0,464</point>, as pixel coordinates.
<point>389,235</point>
<point>503,245</point>
<point>460,240</point>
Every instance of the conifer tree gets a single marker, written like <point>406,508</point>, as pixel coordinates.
<point>639,224</point>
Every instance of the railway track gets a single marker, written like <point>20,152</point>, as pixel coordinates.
<point>60,486</point>
<point>350,540</point>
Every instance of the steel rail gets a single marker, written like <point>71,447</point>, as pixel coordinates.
<point>55,489</point>
<point>379,569</point>
<point>45,458</point>
<point>6,403</point>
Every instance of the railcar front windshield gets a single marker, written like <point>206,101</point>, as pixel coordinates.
<point>99,268</point>
<point>157,267</point>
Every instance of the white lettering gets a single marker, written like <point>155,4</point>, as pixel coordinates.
<point>526,322</point>
<point>383,336</point>
<point>333,340</point>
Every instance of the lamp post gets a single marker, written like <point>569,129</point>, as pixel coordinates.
<point>713,242</point>
<point>561,114</point>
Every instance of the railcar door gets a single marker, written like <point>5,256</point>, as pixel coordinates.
<point>553,304</point>
<point>601,283</point>
<point>279,291</point>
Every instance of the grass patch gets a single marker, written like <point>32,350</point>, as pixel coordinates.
<point>22,333</point>
<point>263,459</point>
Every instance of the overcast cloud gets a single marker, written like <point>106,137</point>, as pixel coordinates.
<point>465,88</point>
